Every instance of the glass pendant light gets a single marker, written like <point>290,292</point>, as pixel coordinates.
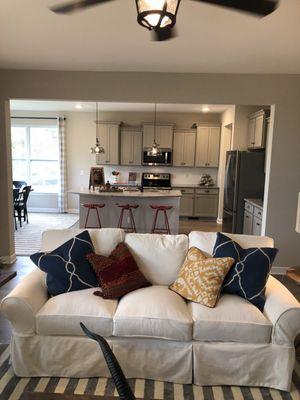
<point>155,14</point>
<point>155,150</point>
<point>97,149</point>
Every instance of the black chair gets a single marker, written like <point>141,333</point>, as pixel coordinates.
<point>19,184</point>
<point>16,193</point>
<point>20,205</point>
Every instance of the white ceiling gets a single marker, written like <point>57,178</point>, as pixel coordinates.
<point>107,37</point>
<point>38,105</point>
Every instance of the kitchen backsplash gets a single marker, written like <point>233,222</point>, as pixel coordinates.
<point>179,175</point>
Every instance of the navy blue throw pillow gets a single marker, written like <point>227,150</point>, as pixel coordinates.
<point>247,278</point>
<point>67,267</point>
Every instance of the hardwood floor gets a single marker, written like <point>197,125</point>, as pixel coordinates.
<point>187,225</point>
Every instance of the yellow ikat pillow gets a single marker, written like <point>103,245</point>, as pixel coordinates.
<point>200,278</point>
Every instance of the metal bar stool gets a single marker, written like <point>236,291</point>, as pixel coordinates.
<point>163,209</point>
<point>92,206</point>
<point>127,207</point>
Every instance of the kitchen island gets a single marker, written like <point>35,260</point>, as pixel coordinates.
<point>143,215</point>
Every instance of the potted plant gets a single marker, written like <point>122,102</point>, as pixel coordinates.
<point>115,175</point>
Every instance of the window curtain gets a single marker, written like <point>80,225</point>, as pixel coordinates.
<point>62,195</point>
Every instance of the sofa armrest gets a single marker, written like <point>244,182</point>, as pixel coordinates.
<point>24,301</point>
<point>283,310</point>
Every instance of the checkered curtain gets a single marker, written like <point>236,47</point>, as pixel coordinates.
<point>62,195</point>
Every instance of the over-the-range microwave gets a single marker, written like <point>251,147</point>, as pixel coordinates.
<point>164,158</point>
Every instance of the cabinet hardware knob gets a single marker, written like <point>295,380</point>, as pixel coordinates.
<point>206,191</point>
<point>258,224</point>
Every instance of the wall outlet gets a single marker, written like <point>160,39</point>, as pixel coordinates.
<point>81,172</point>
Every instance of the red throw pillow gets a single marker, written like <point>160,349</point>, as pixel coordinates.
<point>117,274</point>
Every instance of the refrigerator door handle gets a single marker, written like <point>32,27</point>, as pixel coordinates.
<point>226,180</point>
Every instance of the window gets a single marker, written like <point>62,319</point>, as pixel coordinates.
<point>35,153</point>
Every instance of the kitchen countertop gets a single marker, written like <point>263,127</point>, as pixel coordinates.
<point>131,194</point>
<point>255,202</point>
<point>193,186</point>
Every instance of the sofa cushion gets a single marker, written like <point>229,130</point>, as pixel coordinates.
<point>159,257</point>
<point>205,241</point>
<point>104,240</point>
<point>234,319</point>
<point>117,274</point>
<point>67,267</point>
<point>62,314</point>
<point>248,277</point>
<point>201,277</point>
<point>155,312</point>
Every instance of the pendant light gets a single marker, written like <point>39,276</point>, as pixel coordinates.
<point>155,150</point>
<point>157,14</point>
<point>97,149</point>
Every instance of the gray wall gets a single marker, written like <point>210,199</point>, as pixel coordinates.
<point>281,90</point>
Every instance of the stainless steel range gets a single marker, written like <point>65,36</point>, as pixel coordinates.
<point>156,181</point>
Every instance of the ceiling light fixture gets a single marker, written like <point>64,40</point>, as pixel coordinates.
<point>205,109</point>
<point>78,106</point>
<point>155,150</point>
<point>97,149</point>
<point>157,14</point>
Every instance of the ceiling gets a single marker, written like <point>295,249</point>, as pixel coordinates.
<point>107,38</point>
<point>38,105</point>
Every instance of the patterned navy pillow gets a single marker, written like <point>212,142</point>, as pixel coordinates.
<point>67,267</point>
<point>248,276</point>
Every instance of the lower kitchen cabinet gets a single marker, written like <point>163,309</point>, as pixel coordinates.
<point>199,202</point>
<point>252,219</point>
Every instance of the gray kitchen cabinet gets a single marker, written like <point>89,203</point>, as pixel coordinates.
<point>131,147</point>
<point>163,134</point>
<point>206,202</point>
<point>257,130</point>
<point>252,218</point>
<point>184,149</point>
<point>208,146</point>
<point>256,227</point>
<point>248,221</point>
<point>109,137</point>
<point>187,205</point>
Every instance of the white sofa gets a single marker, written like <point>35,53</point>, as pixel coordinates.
<point>153,332</point>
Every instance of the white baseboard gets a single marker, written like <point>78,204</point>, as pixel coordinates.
<point>73,211</point>
<point>219,221</point>
<point>278,270</point>
<point>45,210</point>
<point>8,259</point>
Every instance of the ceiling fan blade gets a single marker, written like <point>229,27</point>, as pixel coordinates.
<point>163,34</point>
<point>70,7</point>
<point>258,7</point>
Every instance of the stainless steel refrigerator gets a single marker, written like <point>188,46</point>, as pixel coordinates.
<point>244,178</point>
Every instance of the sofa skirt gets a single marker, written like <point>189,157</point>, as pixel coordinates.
<point>204,363</point>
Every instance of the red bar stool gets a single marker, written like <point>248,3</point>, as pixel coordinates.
<point>127,207</point>
<point>91,206</point>
<point>163,209</point>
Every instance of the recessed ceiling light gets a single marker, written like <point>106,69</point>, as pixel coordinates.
<point>205,109</point>
<point>78,106</point>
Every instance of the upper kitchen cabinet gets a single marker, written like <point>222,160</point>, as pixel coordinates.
<point>257,130</point>
<point>131,147</point>
<point>184,149</point>
<point>108,134</point>
<point>163,136</point>
<point>208,146</point>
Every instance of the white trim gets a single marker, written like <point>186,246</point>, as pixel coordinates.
<point>278,270</point>
<point>73,211</point>
<point>220,221</point>
<point>45,210</point>
<point>8,259</point>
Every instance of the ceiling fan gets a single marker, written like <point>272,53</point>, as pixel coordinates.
<point>159,16</point>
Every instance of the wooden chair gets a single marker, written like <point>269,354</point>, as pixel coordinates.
<point>20,205</point>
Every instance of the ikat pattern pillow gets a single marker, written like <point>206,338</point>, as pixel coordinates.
<point>200,279</point>
<point>248,276</point>
<point>117,274</point>
<point>66,267</point>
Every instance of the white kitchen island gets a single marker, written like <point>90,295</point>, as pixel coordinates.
<point>143,215</point>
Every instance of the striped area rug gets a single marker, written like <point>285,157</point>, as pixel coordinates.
<point>12,387</point>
